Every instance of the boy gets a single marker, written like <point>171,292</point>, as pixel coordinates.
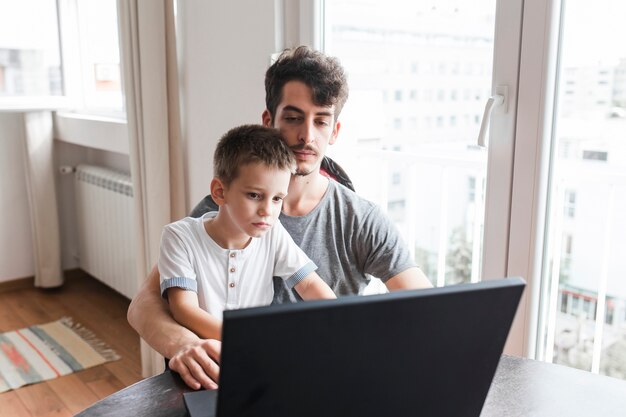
<point>226,259</point>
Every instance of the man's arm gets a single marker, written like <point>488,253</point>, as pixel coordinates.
<point>195,359</point>
<point>186,310</point>
<point>409,279</point>
<point>312,287</point>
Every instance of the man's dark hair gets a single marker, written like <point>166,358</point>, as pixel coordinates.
<point>323,74</point>
<point>250,144</point>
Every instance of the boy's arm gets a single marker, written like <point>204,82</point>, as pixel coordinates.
<point>185,309</point>
<point>312,287</point>
<point>195,359</point>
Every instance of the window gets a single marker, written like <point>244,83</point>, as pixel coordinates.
<point>595,155</point>
<point>444,231</point>
<point>584,268</point>
<point>71,60</point>
<point>30,60</point>
<point>471,189</point>
<point>99,57</point>
<point>569,207</point>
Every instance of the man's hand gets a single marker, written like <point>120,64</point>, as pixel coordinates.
<point>198,363</point>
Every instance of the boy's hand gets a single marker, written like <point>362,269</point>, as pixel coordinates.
<point>198,363</point>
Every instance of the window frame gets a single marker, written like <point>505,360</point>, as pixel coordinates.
<point>74,124</point>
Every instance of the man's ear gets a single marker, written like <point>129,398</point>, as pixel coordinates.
<point>217,191</point>
<point>266,117</point>
<point>333,138</point>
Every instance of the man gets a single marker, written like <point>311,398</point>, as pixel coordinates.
<point>348,237</point>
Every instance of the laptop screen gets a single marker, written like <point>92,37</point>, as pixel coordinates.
<point>420,352</point>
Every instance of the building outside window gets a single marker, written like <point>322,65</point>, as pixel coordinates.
<point>75,66</point>
<point>30,60</point>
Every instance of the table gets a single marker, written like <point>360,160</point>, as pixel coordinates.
<point>521,387</point>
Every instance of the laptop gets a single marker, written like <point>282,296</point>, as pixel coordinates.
<point>430,352</point>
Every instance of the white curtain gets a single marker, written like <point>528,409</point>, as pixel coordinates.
<point>148,49</point>
<point>39,170</point>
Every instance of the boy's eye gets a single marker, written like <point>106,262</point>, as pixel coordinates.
<point>254,196</point>
<point>277,199</point>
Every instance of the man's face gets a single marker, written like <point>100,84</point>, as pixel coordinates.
<point>307,128</point>
<point>254,199</point>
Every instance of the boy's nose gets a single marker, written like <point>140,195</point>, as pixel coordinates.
<point>265,209</point>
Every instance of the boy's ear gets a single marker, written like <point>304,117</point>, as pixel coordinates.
<point>217,191</point>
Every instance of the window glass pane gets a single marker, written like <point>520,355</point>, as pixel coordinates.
<point>419,75</point>
<point>586,315</point>
<point>30,63</point>
<point>100,55</point>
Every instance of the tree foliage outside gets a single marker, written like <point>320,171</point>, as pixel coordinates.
<point>459,257</point>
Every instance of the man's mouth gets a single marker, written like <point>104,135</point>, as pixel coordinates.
<point>304,153</point>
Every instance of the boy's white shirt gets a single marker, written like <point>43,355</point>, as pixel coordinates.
<point>228,278</point>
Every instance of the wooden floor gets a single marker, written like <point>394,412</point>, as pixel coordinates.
<point>95,306</point>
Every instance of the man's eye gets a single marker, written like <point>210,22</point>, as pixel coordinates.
<point>292,119</point>
<point>323,123</point>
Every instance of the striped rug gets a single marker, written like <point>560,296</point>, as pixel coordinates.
<point>46,351</point>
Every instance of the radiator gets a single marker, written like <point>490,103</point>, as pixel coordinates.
<point>104,207</point>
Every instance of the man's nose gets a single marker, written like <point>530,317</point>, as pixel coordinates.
<point>307,134</point>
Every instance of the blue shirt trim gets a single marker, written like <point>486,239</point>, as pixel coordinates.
<point>179,282</point>
<point>293,280</point>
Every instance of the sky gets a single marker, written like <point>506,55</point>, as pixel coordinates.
<point>28,23</point>
<point>594,32</point>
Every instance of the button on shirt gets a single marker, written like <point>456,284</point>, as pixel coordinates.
<point>228,278</point>
<point>232,301</point>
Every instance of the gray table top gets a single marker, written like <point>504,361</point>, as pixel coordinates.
<point>521,387</point>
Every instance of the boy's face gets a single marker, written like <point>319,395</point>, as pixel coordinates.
<point>254,199</point>
<point>307,128</point>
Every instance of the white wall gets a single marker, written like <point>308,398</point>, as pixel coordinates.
<point>225,52</point>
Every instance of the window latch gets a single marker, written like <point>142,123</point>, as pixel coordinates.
<point>499,99</point>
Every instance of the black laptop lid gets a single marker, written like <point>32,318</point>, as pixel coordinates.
<point>412,353</point>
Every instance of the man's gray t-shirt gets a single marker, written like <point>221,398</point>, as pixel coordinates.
<point>347,237</point>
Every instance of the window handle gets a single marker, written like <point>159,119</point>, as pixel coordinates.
<point>498,99</point>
